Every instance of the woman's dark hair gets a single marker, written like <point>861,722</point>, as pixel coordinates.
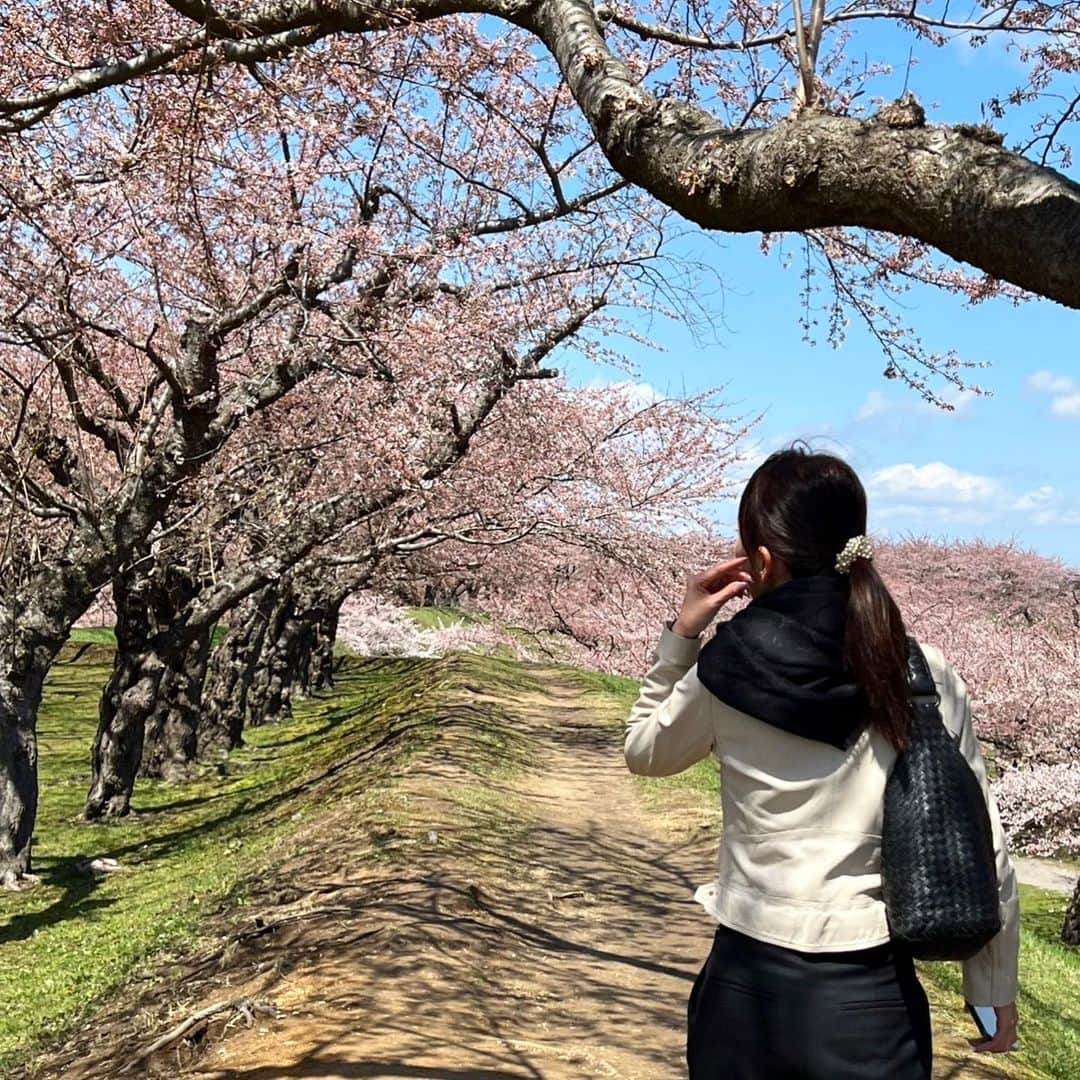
<point>804,506</point>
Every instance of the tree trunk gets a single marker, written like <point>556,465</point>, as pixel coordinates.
<point>320,670</point>
<point>170,742</point>
<point>270,696</point>
<point>20,697</point>
<point>1070,930</point>
<point>228,682</point>
<point>314,663</point>
<point>128,699</point>
<point>37,608</point>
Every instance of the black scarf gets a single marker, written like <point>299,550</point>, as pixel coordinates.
<point>780,659</point>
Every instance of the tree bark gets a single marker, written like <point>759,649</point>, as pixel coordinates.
<point>20,697</point>
<point>270,697</point>
<point>128,699</point>
<point>1070,930</point>
<point>318,612</point>
<point>320,669</point>
<point>38,605</point>
<point>230,673</point>
<point>955,188</point>
<point>170,742</point>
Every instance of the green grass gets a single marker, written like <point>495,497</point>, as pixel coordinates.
<point>438,618</point>
<point>550,646</point>
<point>104,635</point>
<point>188,848</point>
<point>100,635</point>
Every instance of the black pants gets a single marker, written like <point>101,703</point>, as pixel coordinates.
<point>764,1012</point>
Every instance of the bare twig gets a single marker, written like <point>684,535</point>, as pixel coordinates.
<point>243,1006</point>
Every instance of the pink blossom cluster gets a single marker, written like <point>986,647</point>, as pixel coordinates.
<point>374,626</point>
<point>1040,808</point>
<point>1006,619</point>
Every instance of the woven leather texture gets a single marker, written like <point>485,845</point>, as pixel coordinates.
<point>939,879</point>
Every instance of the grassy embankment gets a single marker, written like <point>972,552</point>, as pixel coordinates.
<point>190,849</point>
<point>1049,999</point>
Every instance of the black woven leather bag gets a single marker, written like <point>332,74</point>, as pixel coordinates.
<point>938,874</point>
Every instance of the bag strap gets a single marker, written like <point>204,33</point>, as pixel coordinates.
<point>924,692</point>
<point>920,680</point>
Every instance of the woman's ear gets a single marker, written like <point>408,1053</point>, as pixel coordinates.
<point>765,564</point>
<point>773,571</point>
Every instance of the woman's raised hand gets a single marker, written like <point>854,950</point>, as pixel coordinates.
<point>708,592</point>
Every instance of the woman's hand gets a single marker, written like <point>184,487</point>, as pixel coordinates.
<point>708,592</point>
<point>1004,1036</point>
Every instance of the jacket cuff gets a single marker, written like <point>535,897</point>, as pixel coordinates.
<point>677,649</point>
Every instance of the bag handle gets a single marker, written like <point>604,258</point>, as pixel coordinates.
<point>924,691</point>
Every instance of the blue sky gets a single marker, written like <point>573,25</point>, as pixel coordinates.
<point>1002,467</point>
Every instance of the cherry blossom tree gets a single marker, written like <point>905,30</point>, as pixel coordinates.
<point>589,469</point>
<point>204,249</point>
<point>613,498</point>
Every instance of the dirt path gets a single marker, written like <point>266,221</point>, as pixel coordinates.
<point>1046,874</point>
<point>538,926</point>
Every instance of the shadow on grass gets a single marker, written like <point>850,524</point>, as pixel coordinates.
<point>395,741</point>
<point>75,901</point>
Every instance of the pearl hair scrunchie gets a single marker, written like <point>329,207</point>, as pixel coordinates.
<point>858,547</point>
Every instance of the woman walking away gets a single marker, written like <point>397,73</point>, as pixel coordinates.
<point>804,698</point>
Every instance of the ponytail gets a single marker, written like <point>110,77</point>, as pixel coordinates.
<point>805,507</point>
<point>875,651</point>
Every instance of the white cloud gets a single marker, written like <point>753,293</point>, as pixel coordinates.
<point>960,399</point>
<point>1068,405</point>
<point>1046,506</point>
<point>875,404</point>
<point>939,494</point>
<point>1038,499</point>
<point>1063,390</point>
<point>935,483</point>
<point>637,394</point>
<point>1046,382</point>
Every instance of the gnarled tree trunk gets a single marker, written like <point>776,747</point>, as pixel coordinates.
<point>128,699</point>
<point>37,610</point>
<point>271,694</point>
<point>229,676</point>
<point>319,671</point>
<point>1070,930</point>
<point>318,612</point>
<point>20,696</point>
<point>170,742</point>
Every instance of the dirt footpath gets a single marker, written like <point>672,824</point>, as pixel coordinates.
<point>533,926</point>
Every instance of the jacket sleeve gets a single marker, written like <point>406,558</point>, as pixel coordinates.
<point>671,724</point>
<point>991,975</point>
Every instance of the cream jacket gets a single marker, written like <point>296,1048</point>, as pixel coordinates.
<point>800,852</point>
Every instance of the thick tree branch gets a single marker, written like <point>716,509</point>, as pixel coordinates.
<point>965,195</point>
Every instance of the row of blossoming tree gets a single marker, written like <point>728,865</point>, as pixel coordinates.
<point>256,343</point>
